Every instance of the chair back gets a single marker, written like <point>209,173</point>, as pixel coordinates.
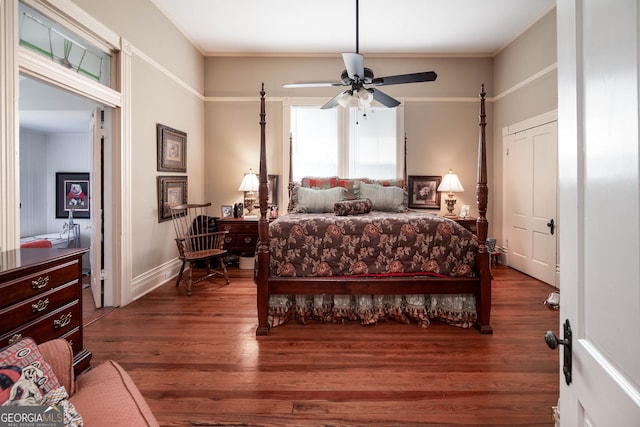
<point>196,231</point>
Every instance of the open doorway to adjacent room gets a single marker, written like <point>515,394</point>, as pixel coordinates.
<point>59,144</point>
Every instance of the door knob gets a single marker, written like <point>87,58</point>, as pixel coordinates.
<point>553,342</point>
<point>551,226</point>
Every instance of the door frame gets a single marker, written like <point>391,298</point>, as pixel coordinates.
<point>18,60</point>
<point>533,122</point>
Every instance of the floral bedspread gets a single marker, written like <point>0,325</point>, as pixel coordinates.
<point>375,244</point>
<point>303,245</point>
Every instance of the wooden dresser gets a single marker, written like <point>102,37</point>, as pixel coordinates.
<point>41,298</point>
<point>243,234</point>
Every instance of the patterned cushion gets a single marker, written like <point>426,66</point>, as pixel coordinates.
<point>319,182</point>
<point>386,199</point>
<point>25,377</point>
<point>352,186</point>
<point>352,207</point>
<point>314,200</point>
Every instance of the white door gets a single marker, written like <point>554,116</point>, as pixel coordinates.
<point>96,208</point>
<point>599,177</point>
<point>531,195</point>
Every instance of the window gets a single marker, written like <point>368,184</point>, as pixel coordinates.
<point>349,142</point>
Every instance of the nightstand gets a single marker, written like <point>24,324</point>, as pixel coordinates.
<point>469,223</point>
<point>242,235</point>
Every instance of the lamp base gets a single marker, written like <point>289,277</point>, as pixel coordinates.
<point>451,203</point>
<point>249,201</point>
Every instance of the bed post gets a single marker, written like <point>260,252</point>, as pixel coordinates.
<point>290,185</point>
<point>262,275</point>
<point>405,178</point>
<point>483,261</point>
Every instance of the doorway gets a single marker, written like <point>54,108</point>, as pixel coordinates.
<point>56,138</point>
<point>531,199</point>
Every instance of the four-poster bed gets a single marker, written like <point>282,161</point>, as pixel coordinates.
<point>387,263</point>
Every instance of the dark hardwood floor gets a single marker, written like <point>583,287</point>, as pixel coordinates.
<point>198,362</point>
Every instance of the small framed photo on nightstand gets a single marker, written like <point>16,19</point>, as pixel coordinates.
<point>227,211</point>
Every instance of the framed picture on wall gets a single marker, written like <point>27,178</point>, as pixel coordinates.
<point>423,192</point>
<point>172,149</point>
<point>172,191</point>
<point>272,196</point>
<point>72,194</point>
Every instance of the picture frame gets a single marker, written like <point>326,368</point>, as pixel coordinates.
<point>423,191</point>
<point>172,191</point>
<point>226,211</point>
<point>72,194</point>
<point>464,211</point>
<point>272,197</point>
<point>172,149</point>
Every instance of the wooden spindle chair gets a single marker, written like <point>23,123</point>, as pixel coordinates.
<point>197,243</point>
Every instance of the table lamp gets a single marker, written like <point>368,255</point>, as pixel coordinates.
<point>451,184</point>
<point>249,185</point>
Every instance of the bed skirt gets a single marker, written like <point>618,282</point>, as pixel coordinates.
<point>454,309</point>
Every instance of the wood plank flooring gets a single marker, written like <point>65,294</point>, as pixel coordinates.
<point>198,362</point>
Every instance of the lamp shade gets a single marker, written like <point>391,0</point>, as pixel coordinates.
<point>249,182</point>
<point>450,183</point>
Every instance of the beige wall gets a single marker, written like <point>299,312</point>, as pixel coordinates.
<point>523,90</point>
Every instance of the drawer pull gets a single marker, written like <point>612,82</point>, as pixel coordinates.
<point>14,339</point>
<point>40,283</point>
<point>63,321</point>
<point>227,227</point>
<point>41,305</point>
<point>227,239</point>
<point>247,239</point>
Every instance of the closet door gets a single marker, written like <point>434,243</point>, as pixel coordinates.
<point>531,199</point>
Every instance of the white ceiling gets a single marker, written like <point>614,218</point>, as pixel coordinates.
<point>479,27</point>
<point>327,27</point>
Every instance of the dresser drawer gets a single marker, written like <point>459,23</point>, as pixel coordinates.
<point>241,242</point>
<point>40,305</point>
<point>38,282</point>
<point>54,325</point>
<point>242,235</point>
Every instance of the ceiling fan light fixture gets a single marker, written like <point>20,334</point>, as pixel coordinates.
<point>364,97</point>
<point>345,99</point>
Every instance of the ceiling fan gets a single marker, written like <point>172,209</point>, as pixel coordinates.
<point>356,75</point>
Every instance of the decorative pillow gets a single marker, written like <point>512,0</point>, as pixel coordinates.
<point>25,377</point>
<point>312,200</point>
<point>319,182</point>
<point>388,199</point>
<point>394,182</point>
<point>352,186</point>
<point>352,207</point>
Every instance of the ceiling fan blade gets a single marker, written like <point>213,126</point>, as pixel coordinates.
<point>427,76</point>
<point>333,101</point>
<point>383,98</point>
<point>354,63</point>
<point>313,84</point>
